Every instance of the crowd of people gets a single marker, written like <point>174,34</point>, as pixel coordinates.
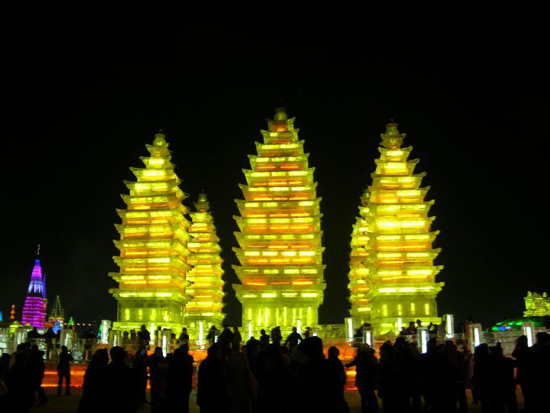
<point>407,381</point>
<point>269,375</point>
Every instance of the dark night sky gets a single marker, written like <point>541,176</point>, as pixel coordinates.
<point>469,89</point>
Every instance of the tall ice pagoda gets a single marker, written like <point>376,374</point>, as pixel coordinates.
<point>153,246</point>
<point>57,314</point>
<point>280,250</point>
<point>206,290</point>
<point>360,310</point>
<point>392,271</point>
<point>34,309</point>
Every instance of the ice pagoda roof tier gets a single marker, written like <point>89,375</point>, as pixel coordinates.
<point>393,258</point>
<point>152,232</point>
<point>148,188</point>
<point>282,163</point>
<point>279,193</point>
<point>153,296</point>
<point>281,148</point>
<point>153,201</point>
<point>395,168</point>
<point>397,196</point>
<point>252,174</point>
<point>279,244</point>
<point>278,209</point>
<point>279,225</point>
<point>154,275</point>
<point>397,182</point>
<point>273,179</point>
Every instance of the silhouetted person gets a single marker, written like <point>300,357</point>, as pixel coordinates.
<point>293,339</point>
<point>358,337</point>
<point>252,350</point>
<point>366,372</point>
<point>37,368</point>
<point>411,329</point>
<point>264,338</point>
<point>144,336</point>
<point>212,334</point>
<point>33,333</point>
<point>212,383</point>
<point>337,379</point>
<point>276,336</point>
<point>459,375</point>
<point>316,389</point>
<point>225,339</point>
<point>523,356</point>
<point>121,394</point>
<point>438,377</point>
<point>4,365</point>
<point>184,337</point>
<point>242,383</point>
<point>502,385</point>
<point>18,381</point>
<point>64,371</point>
<point>155,376</point>
<point>540,378</point>
<point>387,389</point>
<point>276,383</point>
<point>481,377</point>
<point>307,333</point>
<point>164,368</point>
<point>236,339</point>
<point>181,377</point>
<point>139,371</point>
<point>95,385</point>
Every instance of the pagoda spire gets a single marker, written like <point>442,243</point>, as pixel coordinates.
<point>206,289</point>
<point>34,311</point>
<point>57,312</point>
<point>153,245</point>
<point>280,236</point>
<point>392,271</point>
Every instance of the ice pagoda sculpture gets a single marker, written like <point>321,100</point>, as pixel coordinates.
<point>537,305</point>
<point>34,309</point>
<point>279,234</point>
<point>153,246</point>
<point>57,315</point>
<point>206,285</point>
<point>392,276</point>
<point>360,310</point>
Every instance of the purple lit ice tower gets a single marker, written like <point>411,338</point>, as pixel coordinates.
<point>34,311</point>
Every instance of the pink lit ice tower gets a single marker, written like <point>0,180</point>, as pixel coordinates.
<point>34,309</point>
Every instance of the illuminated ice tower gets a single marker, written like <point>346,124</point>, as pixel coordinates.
<point>206,291</point>
<point>153,246</point>
<point>280,236</point>
<point>360,310</point>
<point>396,281</point>
<point>34,309</point>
